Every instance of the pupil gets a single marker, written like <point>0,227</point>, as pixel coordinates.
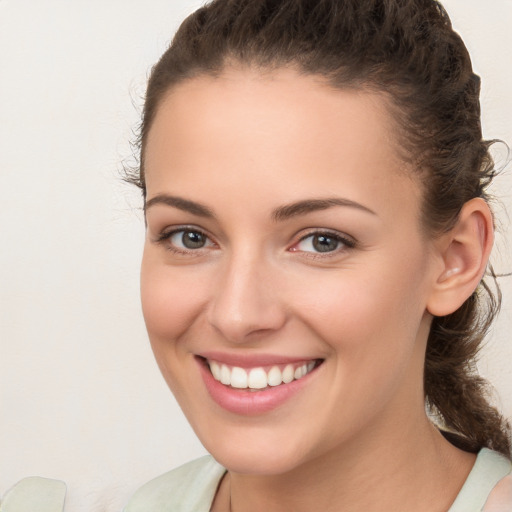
<point>323,243</point>
<point>193,240</point>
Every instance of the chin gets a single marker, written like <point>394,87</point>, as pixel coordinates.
<point>255,454</point>
<point>257,462</point>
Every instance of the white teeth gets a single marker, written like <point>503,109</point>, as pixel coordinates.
<point>274,377</point>
<point>225,375</point>
<point>288,374</point>
<point>238,378</point>
<point>302,370</point>
<point>258,378</point>
<point>215,368</point>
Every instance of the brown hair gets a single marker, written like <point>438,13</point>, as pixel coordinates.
<point>408,51</point>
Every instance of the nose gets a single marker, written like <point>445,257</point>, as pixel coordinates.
<point>246,301</point>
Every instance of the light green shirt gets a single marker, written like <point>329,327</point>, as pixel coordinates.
<point>192,487</point>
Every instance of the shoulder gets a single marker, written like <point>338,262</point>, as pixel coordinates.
<point>488,486</point>
<point>500,499</point>
<point>189,487</point>
<point>35,493</point>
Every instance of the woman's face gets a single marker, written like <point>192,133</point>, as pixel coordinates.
<point>284,238</point>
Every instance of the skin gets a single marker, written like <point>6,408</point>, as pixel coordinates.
<point>244,144</point>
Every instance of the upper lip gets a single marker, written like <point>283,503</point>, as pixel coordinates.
<point>244,360</point>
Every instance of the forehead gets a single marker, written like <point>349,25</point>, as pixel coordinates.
<point>259,96</point>
<point>246,128</point>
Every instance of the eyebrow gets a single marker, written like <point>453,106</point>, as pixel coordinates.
<point>313,205</point>
<point>182,204</point>
<point>278,215</point>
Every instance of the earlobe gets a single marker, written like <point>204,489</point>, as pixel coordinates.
<point>464,252</point>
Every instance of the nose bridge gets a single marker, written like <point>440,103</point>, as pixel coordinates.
<point>246,299</point>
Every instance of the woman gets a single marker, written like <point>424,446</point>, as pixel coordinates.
<point>314,181</point>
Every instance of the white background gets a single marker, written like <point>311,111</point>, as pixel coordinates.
<point>81,398</point>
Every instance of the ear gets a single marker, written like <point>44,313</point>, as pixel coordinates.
<point>464,252</point>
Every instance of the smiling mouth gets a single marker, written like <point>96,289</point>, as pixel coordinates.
<point>261,377</point>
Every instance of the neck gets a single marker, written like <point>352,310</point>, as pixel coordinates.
<point>414,464</point>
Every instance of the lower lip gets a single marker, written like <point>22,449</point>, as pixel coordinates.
<point>246,402</point>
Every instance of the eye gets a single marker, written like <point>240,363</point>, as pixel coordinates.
<point>182,240</point>
<point>188,239</point>
<point>322,242</point>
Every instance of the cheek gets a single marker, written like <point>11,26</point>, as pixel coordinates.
<point>371,322</point>
<point>370,311</point>
<point>171,303</point>
<point>171,299</point>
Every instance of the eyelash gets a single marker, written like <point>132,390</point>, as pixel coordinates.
<point>346,242</point>
<point>165,237</point>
